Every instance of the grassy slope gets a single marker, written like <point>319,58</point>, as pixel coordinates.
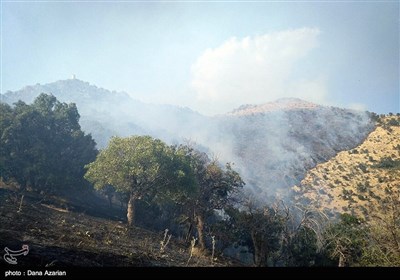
<point>349,182</point>
<point>61,237</point>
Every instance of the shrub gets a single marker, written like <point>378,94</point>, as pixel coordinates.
<point>363,167</point>
<point>387,163</point>
<point>393,122</point>
<point>362,197</point>
<point>371,159</point>
<point>362,188</point>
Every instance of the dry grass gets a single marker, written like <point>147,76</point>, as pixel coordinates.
<point>350,182</point>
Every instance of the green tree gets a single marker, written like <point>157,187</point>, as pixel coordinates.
<point>42,145</point>
<point>6,119</point>
<point>303,247</point>
<point>143,168</point>
<point>276,235</point>
<point>346,240</point>
<point>217,187</point>
<point>261,229</point>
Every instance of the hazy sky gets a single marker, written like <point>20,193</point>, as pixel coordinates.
<point>210,56</point>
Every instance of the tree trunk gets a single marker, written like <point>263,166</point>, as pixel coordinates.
<point>260,256</point>
<point>200,231</point>
<point>109,200</point>
<point>342,262</point>
<point>131,211</point>
<point>189,233</point>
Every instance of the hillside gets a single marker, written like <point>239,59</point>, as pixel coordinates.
<point>64,233</point>
<point>359,181</point>
<point>275,144</point>
<point>105,113</point>
<point>272,145</point>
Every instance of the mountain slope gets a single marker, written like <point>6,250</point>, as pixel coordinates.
<point>358,181</point>
<point>105,113</point>
<point>273,145</point>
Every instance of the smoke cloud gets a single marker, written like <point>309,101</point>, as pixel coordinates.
<point>255,70</point>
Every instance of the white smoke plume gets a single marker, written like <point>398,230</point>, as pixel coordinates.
<point>254,70</point>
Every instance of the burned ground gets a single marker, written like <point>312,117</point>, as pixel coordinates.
<point>62,233</point>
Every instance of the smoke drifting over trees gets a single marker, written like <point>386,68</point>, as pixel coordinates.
<point>272,145</point>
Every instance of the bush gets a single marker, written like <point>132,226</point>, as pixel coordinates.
<point>346,178</point>
<point>393,122</point>
<point>388,190</point>
<point>341,168</point>
<point>362,188</point>
<point>354,151</point>
<point>371,159</point>
<point>363,168</point>
<point>387,163</point>
<point>362,197</point>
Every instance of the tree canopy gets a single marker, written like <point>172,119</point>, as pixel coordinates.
<point>217,186</point>
<point>143,168</point>
<point>42,145</point>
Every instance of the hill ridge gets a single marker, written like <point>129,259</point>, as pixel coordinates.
<point>272,149</point>
<point>281,104</point>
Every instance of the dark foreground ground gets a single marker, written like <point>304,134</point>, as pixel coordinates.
<point>63,234</point>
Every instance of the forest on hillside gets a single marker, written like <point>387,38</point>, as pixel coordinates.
<point>183,191</point>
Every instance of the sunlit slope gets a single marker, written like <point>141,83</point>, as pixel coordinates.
<point>360,180</point>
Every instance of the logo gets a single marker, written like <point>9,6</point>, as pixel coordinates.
<point>10,255</point>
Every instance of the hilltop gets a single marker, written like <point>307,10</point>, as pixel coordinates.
<point>282,104</point>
